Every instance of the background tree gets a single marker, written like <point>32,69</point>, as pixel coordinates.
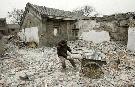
<point>15,16</point>
<point>87,11</point>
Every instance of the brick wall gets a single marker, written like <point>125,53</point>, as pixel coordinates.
<point>64,31</point>
<point>118,29</point>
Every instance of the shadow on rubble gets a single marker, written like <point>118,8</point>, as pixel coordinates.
<point>92,68</point>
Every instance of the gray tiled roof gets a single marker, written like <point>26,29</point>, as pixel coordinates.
<point>55,12</point>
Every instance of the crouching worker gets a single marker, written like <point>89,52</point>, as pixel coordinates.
<point>62,49</point>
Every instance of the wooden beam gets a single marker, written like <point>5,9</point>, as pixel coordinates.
<point>50,16</point>
<point>68,19</point>
<point>58,17</point>
<point>61,18</point>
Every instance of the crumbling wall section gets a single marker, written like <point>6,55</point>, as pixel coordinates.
<point>116,25</point>
<point>118,30</point>
<point>31,20</point>
<point>49,38</point>
<point>86,26</point>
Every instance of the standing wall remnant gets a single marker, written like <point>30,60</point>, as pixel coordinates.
<point>96,37</point>
<point>131,39</point>
<point>29,35</point>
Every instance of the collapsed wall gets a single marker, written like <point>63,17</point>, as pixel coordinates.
<point>118,30</point>
<point>116,25</point>
<point>86,26</point>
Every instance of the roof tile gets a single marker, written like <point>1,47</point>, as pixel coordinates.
<point>55,12</point>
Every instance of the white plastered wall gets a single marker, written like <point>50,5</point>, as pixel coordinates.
<point>29,35</point>
<point>95,36</point>
<point>131,39</point>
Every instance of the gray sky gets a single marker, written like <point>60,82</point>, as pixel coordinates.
<point>102,6</point>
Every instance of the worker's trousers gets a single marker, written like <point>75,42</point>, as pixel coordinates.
<point>62,60</point>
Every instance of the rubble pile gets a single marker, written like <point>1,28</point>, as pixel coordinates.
<point>40,67</point>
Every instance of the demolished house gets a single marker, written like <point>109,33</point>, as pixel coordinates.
<point>116,25</point>
<point>89,30</point>
<point>46,26</point>
<point>13,28</point>
<point>3,26</point>
<point>50,24</point>
<point>107,64</point>
<point>7,29</point>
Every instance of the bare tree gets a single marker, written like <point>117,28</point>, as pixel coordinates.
<point>15,15</point>
<point>87,11</point>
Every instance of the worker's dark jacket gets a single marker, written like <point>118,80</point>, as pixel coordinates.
<point>62,50</point>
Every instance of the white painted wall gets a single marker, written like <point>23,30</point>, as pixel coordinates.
<point>29,35</point>
<point>55,31</point>
<point>131,39</point>
<point>96,37</point>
